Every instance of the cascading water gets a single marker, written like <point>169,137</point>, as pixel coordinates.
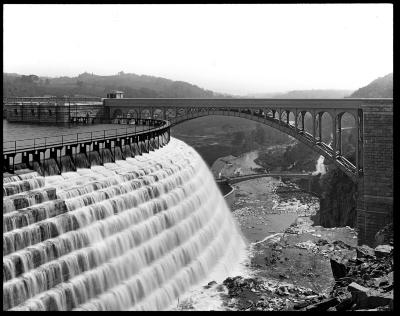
<point>94,158</point>
<point>81,161</point>
<point>66,164</point>
<point>50,167</point>
<point>106,155</point>
<point>131,235</point>
<point>118,153</point>
<point>127,151</point>
<point>320,167</point>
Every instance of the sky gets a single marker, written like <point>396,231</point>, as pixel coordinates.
<point>229,48</point>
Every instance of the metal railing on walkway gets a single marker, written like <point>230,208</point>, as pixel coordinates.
<point>22,145</point>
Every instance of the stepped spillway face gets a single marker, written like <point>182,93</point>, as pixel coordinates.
<point>131,235</point>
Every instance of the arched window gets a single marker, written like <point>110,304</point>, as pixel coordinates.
<point>50,113</point>
<point>15,111</point>
<point>33,112</point>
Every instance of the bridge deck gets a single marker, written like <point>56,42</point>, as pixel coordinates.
<point>245,102</point>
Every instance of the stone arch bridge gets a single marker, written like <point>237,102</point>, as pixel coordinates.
<point>372,169</point>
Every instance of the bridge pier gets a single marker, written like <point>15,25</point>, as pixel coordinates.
<point>96,146</point>
<point>25,159</point>
<point>6,163</point>
<point>339,135</point>
<point>53,155</point>
<point>68,151</point>
<point>82,148</point>
<point>375,187</point>
<point>107,144</point>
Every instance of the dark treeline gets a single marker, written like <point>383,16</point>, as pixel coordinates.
<point>134,86</point>
<point>379,88</point>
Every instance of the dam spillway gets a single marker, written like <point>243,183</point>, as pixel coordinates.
<point>131,235</point>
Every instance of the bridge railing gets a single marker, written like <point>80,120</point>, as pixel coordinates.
<point>21,145</point>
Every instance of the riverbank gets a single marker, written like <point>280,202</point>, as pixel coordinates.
<point>293,265</point>
<point>263,217</point>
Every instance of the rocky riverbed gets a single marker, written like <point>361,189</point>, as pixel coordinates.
<point>293,265</point>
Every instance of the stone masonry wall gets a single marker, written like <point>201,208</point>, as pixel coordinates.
<point>52,113</point>
<point>375,199</point>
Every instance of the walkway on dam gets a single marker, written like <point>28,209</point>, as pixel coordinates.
<point>11,145</point>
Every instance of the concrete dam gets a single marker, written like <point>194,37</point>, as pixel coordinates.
<point>132,234</point>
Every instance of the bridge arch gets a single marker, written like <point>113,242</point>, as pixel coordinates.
<point>347,135</point>
<point>284,116</point>
<point>170,113</point>
<point>305,138</point>
<point>145,113</point>
<point>324,127</point>
<point>292,119</point>
<point>269,113</point>
<point>133,113</point>
<point>308,121</point>
<point>158,114</point>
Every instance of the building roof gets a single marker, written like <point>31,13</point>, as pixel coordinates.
<point>116,91</point>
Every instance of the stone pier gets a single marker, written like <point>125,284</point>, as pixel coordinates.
<point>375,188</point>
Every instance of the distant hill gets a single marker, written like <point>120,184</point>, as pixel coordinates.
<point>305,94</point>
<point>139,86</point>
<point>379,88</point>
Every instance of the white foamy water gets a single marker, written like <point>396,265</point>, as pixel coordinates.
<point>136,234</point>
<point>320,167</point>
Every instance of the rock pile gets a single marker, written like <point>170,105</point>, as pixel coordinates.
<point>362,283</point>
<point>253,294</point>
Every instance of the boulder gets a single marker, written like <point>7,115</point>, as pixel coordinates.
<point>382,251</point>
<point>324,305</point>
<point>366,298</point>
<point>341,245</point>
<point>365,252</point>
<point>345,301</point>
<point>282,291</point>
<point>210,284</point>
<point>355,287</point>
<point>301,305</point>
<point>322,242</point>
<point>339,267</point>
